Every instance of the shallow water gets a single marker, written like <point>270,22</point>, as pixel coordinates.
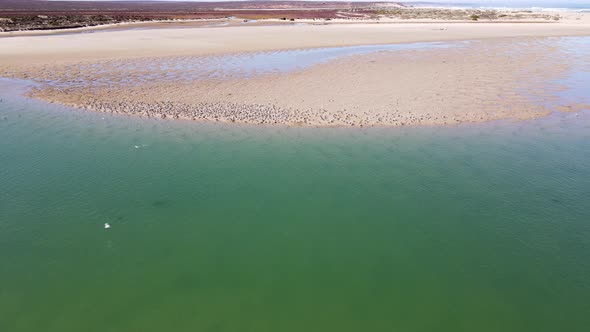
<point>240,65</point>
<point>227,228</point>
<point>243,228</point>
<point>577,80</point>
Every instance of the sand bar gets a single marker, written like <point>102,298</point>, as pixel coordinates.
<point>496,76</point>
<point>201,41</point>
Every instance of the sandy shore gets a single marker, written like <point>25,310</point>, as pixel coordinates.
<point>496,76</point>
<point>473,82</point>
<point>201,41</point>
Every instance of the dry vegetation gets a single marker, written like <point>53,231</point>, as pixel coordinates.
<point>46,22</point>
<point>18,15</point>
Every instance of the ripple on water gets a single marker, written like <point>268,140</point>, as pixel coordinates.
<point>227,226</point>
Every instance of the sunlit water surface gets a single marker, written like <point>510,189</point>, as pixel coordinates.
<point>242,228</point>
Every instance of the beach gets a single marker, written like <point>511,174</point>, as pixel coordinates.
<point>364,167</point>
<point>221,40</point>
<point>453,72</point>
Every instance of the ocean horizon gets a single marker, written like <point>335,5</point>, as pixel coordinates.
<point>533,6</point>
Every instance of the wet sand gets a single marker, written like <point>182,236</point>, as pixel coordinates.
<point>27,50</point>
<point>502,73</point>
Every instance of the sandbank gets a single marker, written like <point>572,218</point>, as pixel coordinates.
<point>28,50</point>
<point>496,76</point>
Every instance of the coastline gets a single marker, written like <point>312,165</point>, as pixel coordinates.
<point>448,84</point>
<point>101,27</point>
<point>436,87</point>
<point>129,43</point>
<point>24,21</point>
<point>237,21</point>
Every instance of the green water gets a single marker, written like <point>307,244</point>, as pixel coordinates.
<point>232,228</point>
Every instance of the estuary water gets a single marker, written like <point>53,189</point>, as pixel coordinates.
<point>242,228</point>
<point>237,228</point>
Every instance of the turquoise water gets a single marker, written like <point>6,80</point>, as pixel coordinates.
<point>237,228</point>
<point>241,228</point>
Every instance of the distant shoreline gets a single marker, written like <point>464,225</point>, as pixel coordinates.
<point>69,30</point>
<point>235,22</point>
<point>93,16</point>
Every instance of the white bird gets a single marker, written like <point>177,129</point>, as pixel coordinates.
<point>106,225</point>
<point>137,146</point>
